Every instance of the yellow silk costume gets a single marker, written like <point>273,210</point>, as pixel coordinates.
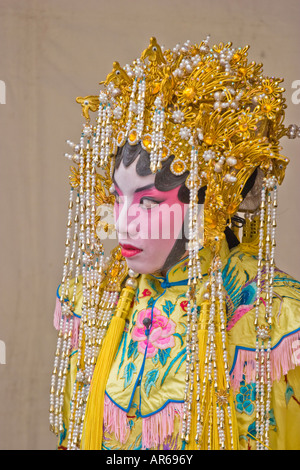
<point>145,390</point>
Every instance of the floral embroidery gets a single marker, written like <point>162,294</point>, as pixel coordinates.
<point>160,335</point>
<point>289,392</point>
<point>251,434</point>
<point>168,308</point>
<point>184,305</point>
<point>248,294</point>
<point>247,298</point>
<point>145,293</point>
<point>129,370</point>
<point>151,378</point>
<point>245,399</point>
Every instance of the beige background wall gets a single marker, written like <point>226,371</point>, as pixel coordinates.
<point>51,52</point>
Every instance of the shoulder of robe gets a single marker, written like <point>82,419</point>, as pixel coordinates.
<point>240,282</point>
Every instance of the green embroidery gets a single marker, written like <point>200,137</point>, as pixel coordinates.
<point>168,308</point>
<point>132,349</point>
<point>129,370</point>
<point>182,352</point>
<point>163,355</point>
<point>245,399</point>
<point>289,392</point>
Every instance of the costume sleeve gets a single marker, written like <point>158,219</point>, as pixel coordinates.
<point>284,415</point>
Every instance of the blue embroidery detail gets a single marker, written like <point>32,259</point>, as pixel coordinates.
<point>124,339</point>
<point>182,352</point>
<point>168,308</point>
<point>151,379</point>
<point>129,370</point>
<point>163,355</point>
<point>138,413</point>
<point>245,399</point>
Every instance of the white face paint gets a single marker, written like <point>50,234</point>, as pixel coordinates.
<point>148,221</point>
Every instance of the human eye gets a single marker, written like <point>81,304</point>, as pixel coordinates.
<point>149,203</point>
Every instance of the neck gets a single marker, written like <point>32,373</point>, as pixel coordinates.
<point>163,272</point>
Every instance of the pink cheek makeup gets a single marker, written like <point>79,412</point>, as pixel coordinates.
<point>146,219</point>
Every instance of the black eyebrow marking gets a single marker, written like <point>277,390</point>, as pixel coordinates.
<point>148,186</point>
<point>143,188</point>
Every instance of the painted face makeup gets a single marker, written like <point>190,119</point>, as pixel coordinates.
<point>148,221</point>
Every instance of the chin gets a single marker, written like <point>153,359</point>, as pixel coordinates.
<point>141,267</point>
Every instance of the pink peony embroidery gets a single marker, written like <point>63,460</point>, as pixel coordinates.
<point>161,332</point>
<point>240,312</point>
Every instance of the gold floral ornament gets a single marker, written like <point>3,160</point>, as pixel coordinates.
<point>102,193</point>
<point>88,103</point>
<point>247,123</point>
<point>74,177</point>
<point>270,106</point>
<point>118,76</point>
<point>105,226</point>
<point>153,53</point>
<point>270,86</point>
<point>117,271</point>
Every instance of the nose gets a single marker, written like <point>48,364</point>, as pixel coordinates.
<point>126,220</point>
<point>120,213</point>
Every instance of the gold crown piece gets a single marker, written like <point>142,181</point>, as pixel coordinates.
<point>194,100</point>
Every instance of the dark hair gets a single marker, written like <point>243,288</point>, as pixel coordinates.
<point>165,180</point>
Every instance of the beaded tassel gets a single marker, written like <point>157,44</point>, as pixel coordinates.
<point>263,327</point>
<point>223,404</point>
<point>141,107</point>
<point>208,408</point>
<point>64,337</point>
<point>99,128</point>
<point>157,136</point>
<point>194,273</point>
<point>98,305</point>
<point>217,416</point>
<point>96,313</point>
<point>131,107</point>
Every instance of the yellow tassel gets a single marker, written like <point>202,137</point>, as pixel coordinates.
<point>231,440</point>
<point>93,421</point>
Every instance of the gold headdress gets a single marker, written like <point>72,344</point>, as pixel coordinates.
<point>221,118</point>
